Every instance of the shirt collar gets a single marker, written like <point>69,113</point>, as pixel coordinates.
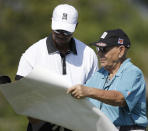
<point>51,46</point>
<point>123,66</point>
<point>104,73</point>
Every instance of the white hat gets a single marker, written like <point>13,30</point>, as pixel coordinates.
<point>64,17</point>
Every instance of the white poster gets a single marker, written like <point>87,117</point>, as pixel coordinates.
<point>42,95</point>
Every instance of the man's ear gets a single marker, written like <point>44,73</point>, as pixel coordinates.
<point>122,50</point>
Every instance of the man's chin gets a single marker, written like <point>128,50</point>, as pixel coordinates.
<point>60,43</point>
<point>102,64</point>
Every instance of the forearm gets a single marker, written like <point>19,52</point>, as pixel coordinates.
<point>111,97</point>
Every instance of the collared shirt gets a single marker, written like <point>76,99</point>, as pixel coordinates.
<point>81,62</point>
<point>130,82</point>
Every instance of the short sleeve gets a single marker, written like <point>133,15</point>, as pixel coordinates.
<point>24,67</point>
<point>94,66</point>
<point>28,60</point>
<point>132,86</point>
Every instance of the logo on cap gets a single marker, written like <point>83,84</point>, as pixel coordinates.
<point>120,41</point>
<point>64,17</point>
<point>104,35</point>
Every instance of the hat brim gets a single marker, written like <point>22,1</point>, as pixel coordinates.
<point>102,44</point>
<point>99,44</point>
<point>56,25</point>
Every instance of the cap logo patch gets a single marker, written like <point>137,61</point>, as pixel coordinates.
<point>101,44</point>
<point>120,41</point>
<point>104,35</point>
<point>64,17</point>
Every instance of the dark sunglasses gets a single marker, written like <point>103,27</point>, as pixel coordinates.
<point>104,49</point>
<point>66,33</point>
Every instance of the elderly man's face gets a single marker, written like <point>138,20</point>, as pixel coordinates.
<point>61,37</point>
<point>110,56</point>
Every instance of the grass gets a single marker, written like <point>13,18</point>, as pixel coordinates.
<point>9,120</point>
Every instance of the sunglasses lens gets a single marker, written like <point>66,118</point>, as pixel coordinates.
<point>100,49</point>
<point>104,49</point>
<point>66,33</point>
<point>56,31</point>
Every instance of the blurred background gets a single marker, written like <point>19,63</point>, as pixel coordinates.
<point>24,22</point>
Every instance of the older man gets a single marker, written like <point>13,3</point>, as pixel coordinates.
<point>118,89</point>
<point>61,53</point>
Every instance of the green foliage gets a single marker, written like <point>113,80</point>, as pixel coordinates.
<point>9,120</point>
<point>23,22</point>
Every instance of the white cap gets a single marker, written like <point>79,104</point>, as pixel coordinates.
<point>64,17</point>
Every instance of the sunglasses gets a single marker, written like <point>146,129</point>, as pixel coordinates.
<point>66,33</point>
<point>104,49</point>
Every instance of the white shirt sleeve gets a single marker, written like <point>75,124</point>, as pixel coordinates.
<point>27,60</point>
<point>24,67</point>
<point>94,66</point>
